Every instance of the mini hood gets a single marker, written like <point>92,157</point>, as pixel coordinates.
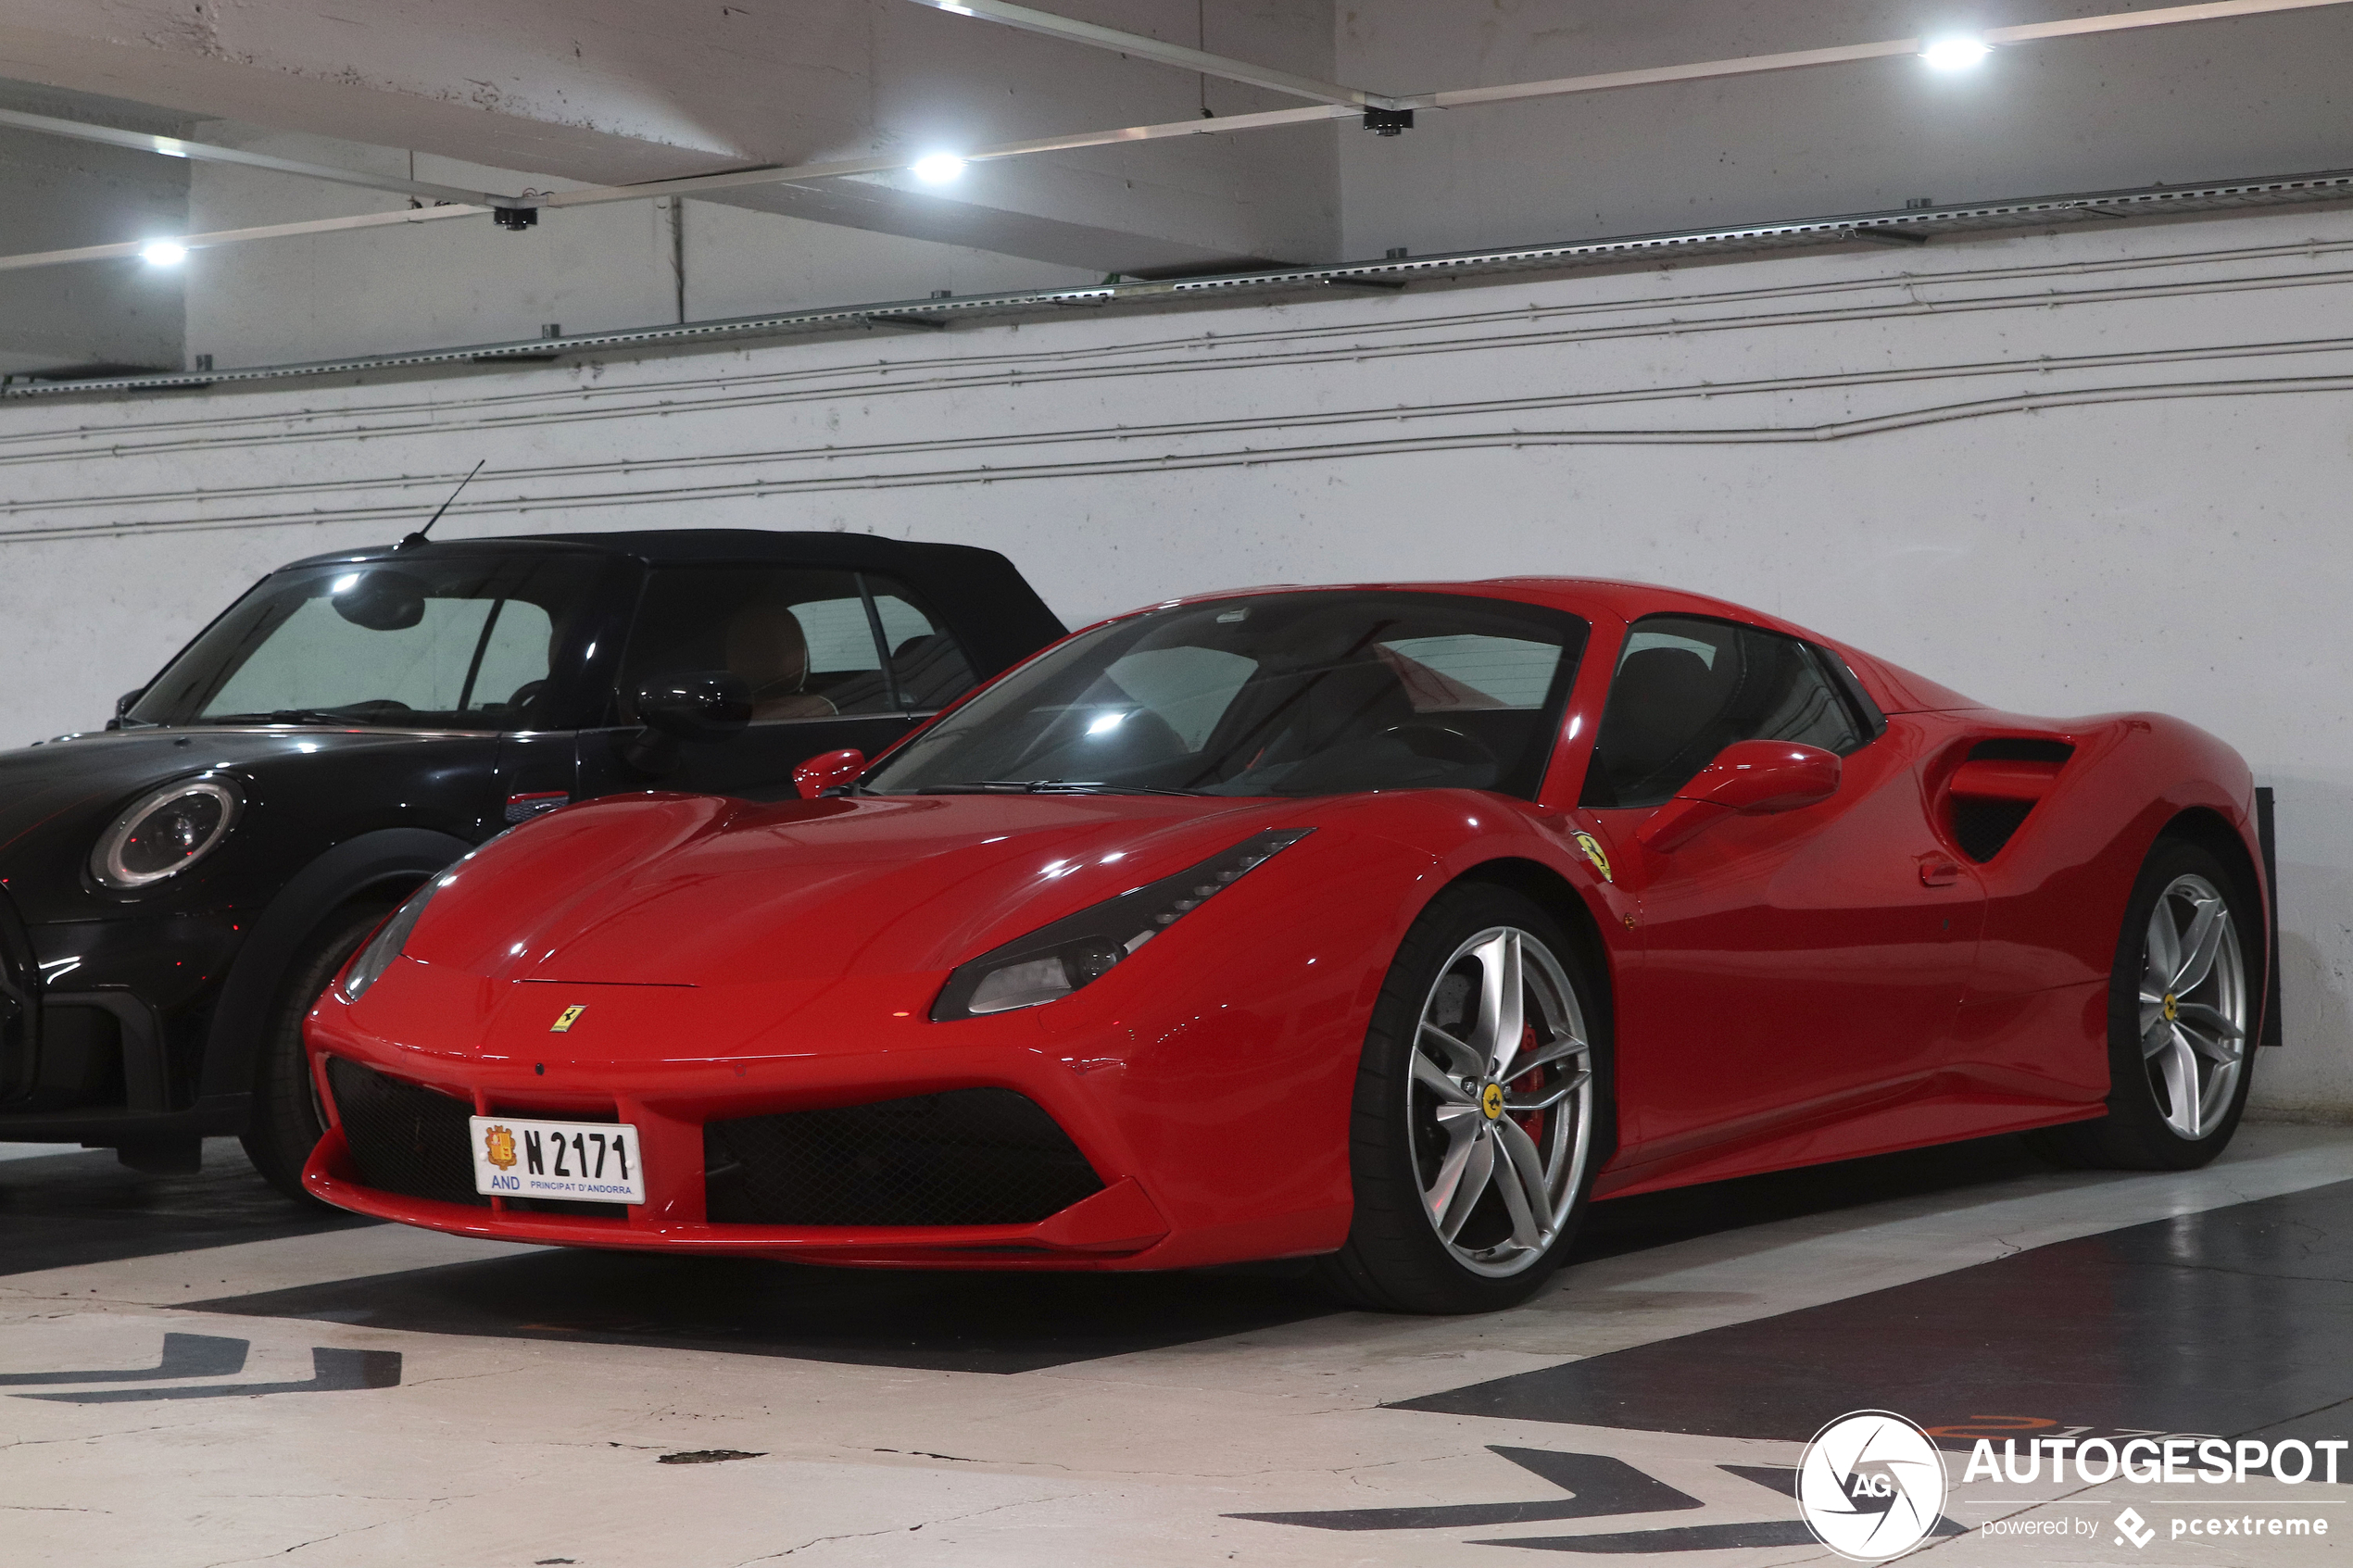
<point>694,890</point>
<point>56,797</point>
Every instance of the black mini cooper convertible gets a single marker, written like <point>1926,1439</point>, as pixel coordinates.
<point>176,890</point>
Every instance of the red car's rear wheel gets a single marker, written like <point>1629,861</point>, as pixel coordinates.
<point>1474,1135</point>
<point>2182,1012</point>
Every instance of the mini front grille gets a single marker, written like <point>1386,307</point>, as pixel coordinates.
<point>404,1139</point>
<point>966,1157</point>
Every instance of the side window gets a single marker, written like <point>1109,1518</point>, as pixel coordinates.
<point>1686,688</point>
<point>515,657</point>
<point>800,639</point>
<point>930,669</point>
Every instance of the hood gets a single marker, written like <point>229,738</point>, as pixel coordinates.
<point>691,890</point>
<point>57,797</point>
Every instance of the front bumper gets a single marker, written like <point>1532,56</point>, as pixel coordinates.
<point>1114,1227</point>
<point>515,1066</point>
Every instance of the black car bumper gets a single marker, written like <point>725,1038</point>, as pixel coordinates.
<point>101,1025</point>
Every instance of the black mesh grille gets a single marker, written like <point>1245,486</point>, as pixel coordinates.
<point>1983,827</point>
<point>404,1139</point>
<point>968,1157</point>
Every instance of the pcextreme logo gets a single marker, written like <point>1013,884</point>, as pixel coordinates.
<point>1871,1486</point>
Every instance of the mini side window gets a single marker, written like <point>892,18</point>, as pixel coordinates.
<point>1688,688</point>
<point>929,668</point>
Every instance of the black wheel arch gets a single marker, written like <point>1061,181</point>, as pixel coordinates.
<point>2212,831</point>
<point>382,863</point>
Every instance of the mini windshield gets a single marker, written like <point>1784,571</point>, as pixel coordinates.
<point>1322,691</point>
<point>458,642</point>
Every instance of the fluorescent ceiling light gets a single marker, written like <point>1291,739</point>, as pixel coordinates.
<point>1954,54</point>
<point>163,253</point>
<point>936,168</point>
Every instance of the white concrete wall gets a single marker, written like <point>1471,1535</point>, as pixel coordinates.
<point>2066,474</point>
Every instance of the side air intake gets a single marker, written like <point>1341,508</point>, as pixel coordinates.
<point>1997,788</point>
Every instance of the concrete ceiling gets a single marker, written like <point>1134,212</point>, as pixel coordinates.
<point>619,91</point>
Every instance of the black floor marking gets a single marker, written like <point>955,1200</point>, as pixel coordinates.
<point>1598,1485</point>
<point>331,1372</point>
<point>2227,1322</point>
<point>67,1209</point>
<point>939,1320</point>
<point>184,1355</point>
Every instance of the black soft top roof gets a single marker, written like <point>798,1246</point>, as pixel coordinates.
<point>984,597</point>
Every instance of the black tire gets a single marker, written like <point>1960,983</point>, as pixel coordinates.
<point>2135,1134</point>
<point>285,1123</point>
<point>1394,1260</point>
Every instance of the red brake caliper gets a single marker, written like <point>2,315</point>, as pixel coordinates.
<point>1531,1121</point>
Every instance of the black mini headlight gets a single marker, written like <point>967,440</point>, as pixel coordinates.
<point>1054,960</point>
<point>166,831</point>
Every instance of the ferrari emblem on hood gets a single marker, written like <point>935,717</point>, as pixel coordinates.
<point>566,1018</point>
<point>1594,852</point>
<point>499,1147</point>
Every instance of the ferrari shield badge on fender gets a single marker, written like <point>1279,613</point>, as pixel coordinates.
<point>566,1018</point>
<point>1593,847</point>
<point>498,1148</point>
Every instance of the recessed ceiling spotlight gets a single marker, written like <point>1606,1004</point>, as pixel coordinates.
<point>1954,54</point>
<point>163,253</point>
<point>936,168</point>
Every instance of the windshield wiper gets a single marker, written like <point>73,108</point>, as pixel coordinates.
<point>1048,786</point>
<point>288,716</point>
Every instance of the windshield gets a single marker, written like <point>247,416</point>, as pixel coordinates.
<point>462,642</point>
<point>1321,692</point>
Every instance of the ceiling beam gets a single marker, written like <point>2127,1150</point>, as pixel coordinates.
<point>206,152</point>
<point>1137,45</point>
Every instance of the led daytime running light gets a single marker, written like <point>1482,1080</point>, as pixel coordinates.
<point>1054,960</point>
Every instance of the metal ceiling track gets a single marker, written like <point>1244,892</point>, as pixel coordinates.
<point>1908,227</point>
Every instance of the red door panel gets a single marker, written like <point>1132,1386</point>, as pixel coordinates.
<point>1794,964</point>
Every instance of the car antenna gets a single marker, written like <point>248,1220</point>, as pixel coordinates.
<point>413,540</point>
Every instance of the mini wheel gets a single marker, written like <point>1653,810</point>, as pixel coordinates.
<point>286,1121</point>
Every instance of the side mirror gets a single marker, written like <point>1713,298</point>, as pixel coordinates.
<point>827,770</point>
<point>700,709</point>
<point>1748,778</point>
<point>123,705</point>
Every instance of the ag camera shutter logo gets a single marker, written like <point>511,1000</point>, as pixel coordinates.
<point>1871,1486</point>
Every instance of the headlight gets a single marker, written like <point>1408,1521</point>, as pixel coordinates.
<point>369,963</point>
<point>1056,960</point>
<point>166,831</point>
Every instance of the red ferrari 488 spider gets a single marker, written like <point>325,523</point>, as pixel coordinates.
<point>1388,926</point>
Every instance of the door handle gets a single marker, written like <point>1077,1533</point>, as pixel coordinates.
<point>1939,871</point>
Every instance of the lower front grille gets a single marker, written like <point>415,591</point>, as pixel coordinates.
<point>966,1157</point>
<point>403,1138</point>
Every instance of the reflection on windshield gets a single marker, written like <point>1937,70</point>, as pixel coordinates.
<point>462,642</point>
<point>1315,693</point>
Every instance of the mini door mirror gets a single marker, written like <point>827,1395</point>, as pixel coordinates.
<point>712,706</point>
<point>123,705</point>
<point>831,771</point>
<point>1748,778</point>
<point>701,709</point>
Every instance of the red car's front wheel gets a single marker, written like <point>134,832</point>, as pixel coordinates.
<point>1475,1135</point>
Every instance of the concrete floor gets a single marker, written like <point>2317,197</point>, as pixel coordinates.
<point>191,1373</point>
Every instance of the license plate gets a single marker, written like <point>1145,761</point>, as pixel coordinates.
<point>579,1162</point>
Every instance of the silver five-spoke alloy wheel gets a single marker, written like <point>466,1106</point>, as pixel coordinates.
<point>2194,1006</point>
<point>1500,1102</point>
